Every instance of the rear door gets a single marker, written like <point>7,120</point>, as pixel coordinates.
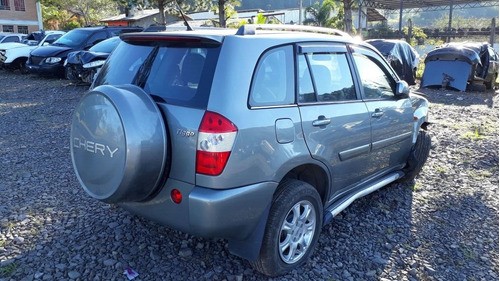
<point>335,120</point>
<point>391,117</point>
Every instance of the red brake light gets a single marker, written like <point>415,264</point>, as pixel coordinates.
<point>216,137</point>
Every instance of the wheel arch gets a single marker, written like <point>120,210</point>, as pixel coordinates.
<point>313,174</point>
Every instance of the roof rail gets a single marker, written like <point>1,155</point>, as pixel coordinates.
<point>250,29</point>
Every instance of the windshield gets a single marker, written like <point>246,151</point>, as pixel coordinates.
<point>1,37</point>
<point>106,46</point>
<point>176,74</point>
<point>73,39</point>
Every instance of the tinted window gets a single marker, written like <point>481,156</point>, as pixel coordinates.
<point>123,64</point>
<point>11,39</point>
<point>178,75</point>
<point>273,78</point>
<point>74,38</point>
<point>96,38</point>
<point>106,46</point>
<point>306,88</point>
<point>376,82</point>
<point>332,77</point>
<point>52,38</point>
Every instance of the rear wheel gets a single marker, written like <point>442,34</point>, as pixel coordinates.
<point>292,230</point>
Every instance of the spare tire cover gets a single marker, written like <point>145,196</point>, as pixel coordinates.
<point>119,144</point>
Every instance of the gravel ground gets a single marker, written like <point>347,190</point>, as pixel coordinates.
<point>442,227</point>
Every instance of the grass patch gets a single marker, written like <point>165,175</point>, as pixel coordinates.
<point>441,169</point>
<point>416,187</point>
<point>8,270</point>
<point>475,135</point>
<point>480,174</point>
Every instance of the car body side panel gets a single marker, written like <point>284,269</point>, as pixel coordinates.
<point>391,133</point>
<point>343,145</point>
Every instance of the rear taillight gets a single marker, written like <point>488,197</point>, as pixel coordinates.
<point>216,136</point>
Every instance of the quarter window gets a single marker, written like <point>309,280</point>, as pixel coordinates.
<point>376,82</point>
<point>273,81</point>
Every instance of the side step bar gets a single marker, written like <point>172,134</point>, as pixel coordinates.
<point>336,208</point>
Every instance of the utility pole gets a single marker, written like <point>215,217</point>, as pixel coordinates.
<point>300,12</point>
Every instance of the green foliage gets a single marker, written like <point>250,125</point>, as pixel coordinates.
<point>66,14</point>
<point>260,19</point>
<point>324,14</point>
<point>8,270</point>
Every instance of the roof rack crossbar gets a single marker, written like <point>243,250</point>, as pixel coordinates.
<point>250,29</point>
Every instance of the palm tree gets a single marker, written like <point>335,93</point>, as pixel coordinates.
<point>322,14</point>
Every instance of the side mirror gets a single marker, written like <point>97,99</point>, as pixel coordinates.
<point>402,89</point>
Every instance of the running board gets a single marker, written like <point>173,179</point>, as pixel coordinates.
<point>335,209</point>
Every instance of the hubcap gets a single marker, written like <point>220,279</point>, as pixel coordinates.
<point>297,232</point>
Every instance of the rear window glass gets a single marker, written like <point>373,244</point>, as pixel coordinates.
<point>176,74</point>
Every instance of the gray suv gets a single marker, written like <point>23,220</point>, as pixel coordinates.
<point>259,136</point>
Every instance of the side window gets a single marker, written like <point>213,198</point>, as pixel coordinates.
<point>273,80</point>
<point>51,38</point>
<point>11,39</point>
<point>332,77</point>
<point>306,88</point>
<point>97,37</point>
<point>377,84</point>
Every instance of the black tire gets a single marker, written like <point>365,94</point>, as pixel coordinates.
<point>492,83</point>
<point>22,66</point>
<point>474,87</point>
<point>418,156</point>
<point>291,194</point>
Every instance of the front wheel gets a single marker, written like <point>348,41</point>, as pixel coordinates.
<point>418,156</point>
<point>292,230</point>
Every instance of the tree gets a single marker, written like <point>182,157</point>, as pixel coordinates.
<point>226,10</point>
<point>322,14</point>
<point>348,5</point>
<point>87,12</point>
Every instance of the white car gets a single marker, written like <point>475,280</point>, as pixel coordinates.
<point>6,37</point>
<point>14,55</point>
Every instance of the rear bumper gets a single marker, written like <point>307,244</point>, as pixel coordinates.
<point>229,214</point>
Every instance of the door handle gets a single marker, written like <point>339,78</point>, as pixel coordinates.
<point>378,113</point>
<point>321,121</point>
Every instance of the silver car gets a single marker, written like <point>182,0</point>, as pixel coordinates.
<point>259,136</point>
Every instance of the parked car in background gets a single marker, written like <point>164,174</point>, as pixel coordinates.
<point>401,55</point>
<point>49,60</point>
<point>7,37</point>
<point>14,55</point>
<point>259,136</point>
<point>462,66</point>
<point>34,37</point>
<point>81,66</point>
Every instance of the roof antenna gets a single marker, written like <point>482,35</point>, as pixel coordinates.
<point>188,27</point>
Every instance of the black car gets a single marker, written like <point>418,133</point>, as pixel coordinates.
<point>401,55</point>
<point>50,59</point>
<point>81,66</point>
